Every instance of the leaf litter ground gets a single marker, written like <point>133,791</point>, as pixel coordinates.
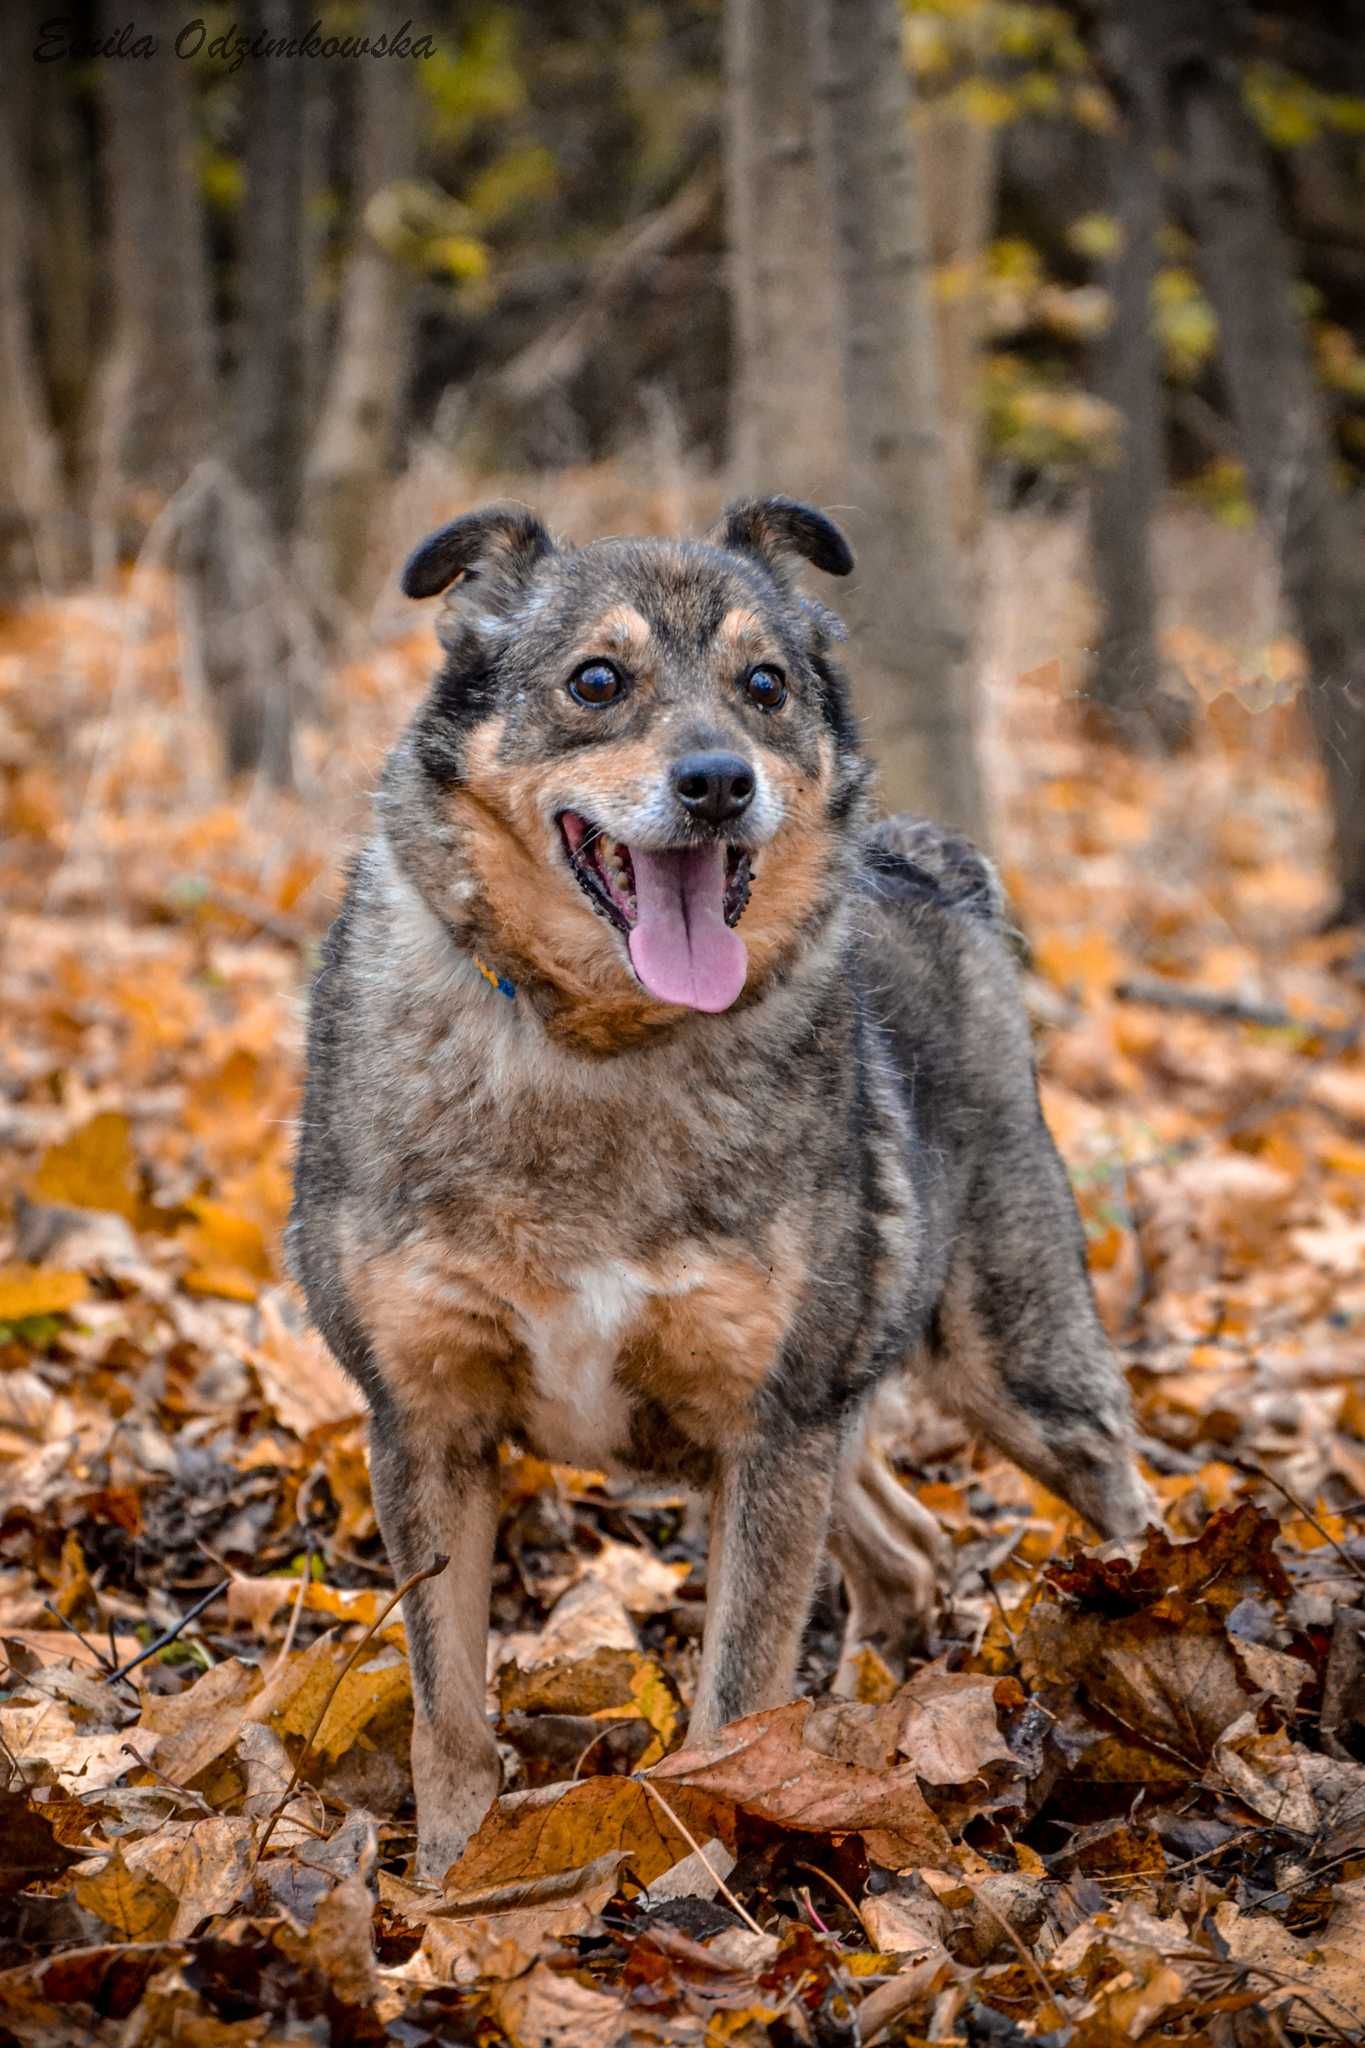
<point>1122,1798</point>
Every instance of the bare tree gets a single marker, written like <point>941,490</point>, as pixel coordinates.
<point>918,695</point>
<point>788,427</point>
<point>955,160</point>
<point>30,480</point>
<point>239,555</point>
<point>155,414</point>
<point>1125,680</point>
<point>268,411</point>
<point>64,260</point>
<point>350,456</point>
<point>1245,259</point>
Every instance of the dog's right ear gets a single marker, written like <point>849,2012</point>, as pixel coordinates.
<point>502,542</point>
<point>779,530</point>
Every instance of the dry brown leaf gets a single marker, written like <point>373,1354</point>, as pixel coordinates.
<point>1327,1966</point>
<point>948,1726</point>
<point>532,1835</point>
<point>299,1376</point>
<point>767,1767</point>
<point>134,1903</point>
<point>642,1582</point>
<point>1264,1772</point>
<point>254,1603</point>
<point>189,1731</point>
<point>1168,1687</point>
<point>339,1944</point>
<point>30,1853</point>
<point>556,2011</point>
<point>374,1692</point>
<point>527,1920</point>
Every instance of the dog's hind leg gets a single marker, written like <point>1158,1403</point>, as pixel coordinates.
<point>434,1495</point>
<point>770,1511</point>
<point>890,1551</point>
<point>1019,1350</point>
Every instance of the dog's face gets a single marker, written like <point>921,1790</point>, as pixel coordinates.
<point>643,751</point>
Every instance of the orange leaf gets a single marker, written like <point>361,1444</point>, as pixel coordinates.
<point>228,1252</point>
<point>38,1291</point>
<point>92,1169</point>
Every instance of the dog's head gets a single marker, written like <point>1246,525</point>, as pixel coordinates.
<point>639,754</point>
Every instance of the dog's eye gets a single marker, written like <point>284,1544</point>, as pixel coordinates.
<point>767,687</point>
<point>595,683</point>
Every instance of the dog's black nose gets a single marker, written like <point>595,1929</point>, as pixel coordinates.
<point>714,787</point>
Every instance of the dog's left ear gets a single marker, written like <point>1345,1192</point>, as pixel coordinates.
<point>778,529</point>
<point>505,541</point>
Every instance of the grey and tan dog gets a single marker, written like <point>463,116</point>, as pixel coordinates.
<point>660,1105</point>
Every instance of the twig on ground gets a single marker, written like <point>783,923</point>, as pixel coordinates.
<point>305,1579</point>
<point>589,1747</point>
<point>1213,1003</point>
<point>195,1799</point>
<point>839,1893</point>
<point>168,1635</point>
<point>1255,1469</point>
<point>988,1581</point>
<point>722,1887</point>
<point>103,1662</point>
<point>1025,1954</point>
<point>431,1571</point>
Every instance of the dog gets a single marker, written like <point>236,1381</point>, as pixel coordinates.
<point>662,1103</point>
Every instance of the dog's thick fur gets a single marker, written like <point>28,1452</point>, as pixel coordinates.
<point>633,1234</point>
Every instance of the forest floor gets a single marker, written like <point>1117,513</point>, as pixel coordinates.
<point>1123,1801</point>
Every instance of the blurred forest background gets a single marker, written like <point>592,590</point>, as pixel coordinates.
<point>928,263</point>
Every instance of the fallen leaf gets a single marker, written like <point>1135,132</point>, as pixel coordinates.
<point>787,1767</point>
<point>94,1168</point>
<point>38,1291</point>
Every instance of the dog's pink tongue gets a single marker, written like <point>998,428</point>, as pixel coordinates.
<point>680,945</point>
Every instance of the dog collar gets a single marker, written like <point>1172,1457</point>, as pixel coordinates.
<point>500,982</point>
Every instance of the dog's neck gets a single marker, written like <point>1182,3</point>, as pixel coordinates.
<point>443,948</point>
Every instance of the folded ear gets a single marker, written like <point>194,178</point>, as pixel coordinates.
<point>502,540</point>
<point>776,529</point>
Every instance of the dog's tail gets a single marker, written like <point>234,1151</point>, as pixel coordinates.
<point>918,854</point>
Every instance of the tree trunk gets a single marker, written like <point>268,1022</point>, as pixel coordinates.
<point>157,400</point>
<point>63,255</point>
<point>1125,683</point>
<point>267,409</point>
<point>917,697</point>
<point>788,425</point>
<point>349,463</point>
<point>247,605</point>
<point>1282,426</point>
<point>31,514</point>
<point>955,158</point>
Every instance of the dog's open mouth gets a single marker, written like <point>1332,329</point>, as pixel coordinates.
<point>677,909</point>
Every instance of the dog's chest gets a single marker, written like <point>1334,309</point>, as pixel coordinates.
<point>614,1361</point>
<point>575,1408</point>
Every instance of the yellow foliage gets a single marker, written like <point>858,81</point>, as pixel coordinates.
<point>1185,321</point>
<point>459,255</point>
<point>1096,235</point>
<point>512,181</point>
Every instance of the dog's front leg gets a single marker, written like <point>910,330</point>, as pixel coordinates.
<point>434,1495</point>
<point>770,1512</point>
